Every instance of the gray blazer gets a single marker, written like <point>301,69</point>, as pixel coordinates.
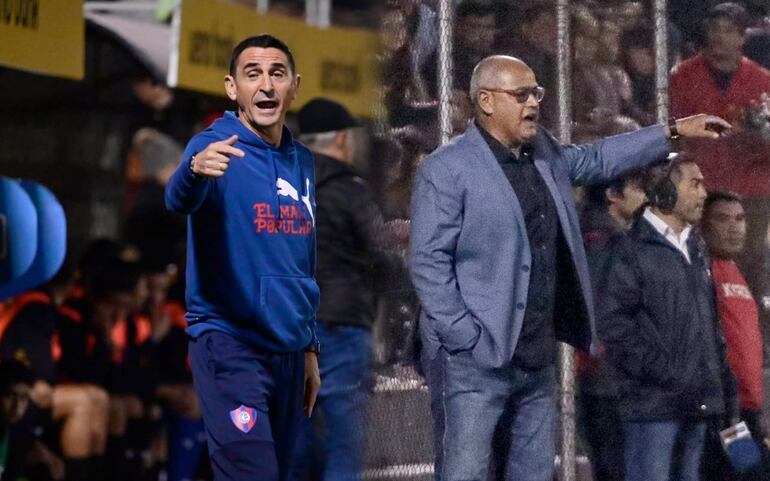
<point>470,256</point>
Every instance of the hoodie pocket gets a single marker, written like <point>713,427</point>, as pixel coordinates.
<point>288,303</point>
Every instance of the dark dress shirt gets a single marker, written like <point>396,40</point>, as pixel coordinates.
<point>536,347</point>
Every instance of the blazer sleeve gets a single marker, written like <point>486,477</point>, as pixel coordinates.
<point>437,214</point>
<point>608,158</point>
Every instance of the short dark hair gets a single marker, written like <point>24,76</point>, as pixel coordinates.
<point>720,196</point>
<point>597,194</point>
<point>730,11</point>
<point>14,372</point>
<point>261,41</point>
<point>670,168</point>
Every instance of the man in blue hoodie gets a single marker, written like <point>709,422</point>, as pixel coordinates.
<point>251,296</point>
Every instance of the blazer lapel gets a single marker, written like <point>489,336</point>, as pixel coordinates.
<point>491,168</point>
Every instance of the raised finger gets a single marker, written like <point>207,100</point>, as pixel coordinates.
<point>223,148</point>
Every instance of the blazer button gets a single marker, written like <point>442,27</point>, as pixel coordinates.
<point>520,306</point>
<point>525,268</point>
<point>703,407</point>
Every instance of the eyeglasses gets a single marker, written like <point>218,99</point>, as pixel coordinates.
<point>522,95</point>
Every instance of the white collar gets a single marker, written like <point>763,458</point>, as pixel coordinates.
<point>678,241</point>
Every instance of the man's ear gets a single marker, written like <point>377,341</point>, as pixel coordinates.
<point>486,102</point>
<point>297,79</point>
<point>612,196</point>
<point>230,87</point>
<point>341,139</point>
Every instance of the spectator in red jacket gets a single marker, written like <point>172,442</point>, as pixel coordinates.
<point>721,81</point>
<point>724,228</point>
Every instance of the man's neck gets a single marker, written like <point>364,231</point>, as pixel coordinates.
<point>514,147</point>
<point>272,135</point>
<point>723,66</point>
<point>672,221</point>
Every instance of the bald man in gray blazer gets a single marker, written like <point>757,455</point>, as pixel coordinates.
<point>499,266</point>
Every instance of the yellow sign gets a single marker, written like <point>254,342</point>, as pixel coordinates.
<point>336,63</point>
<point>43,36</point>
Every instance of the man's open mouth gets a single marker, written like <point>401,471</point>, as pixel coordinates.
<point>267,104</point>
<point>531,117</point>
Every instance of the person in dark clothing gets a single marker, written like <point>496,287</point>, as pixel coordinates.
<point>165,361</point>
<point>347,221</point>
<point>657,318</point>
<point>158,233</point>
<point>28,334</point>
<point>609,211</point>
<point>101,343</point>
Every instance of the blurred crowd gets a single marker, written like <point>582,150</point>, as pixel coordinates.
<point>95,381</point>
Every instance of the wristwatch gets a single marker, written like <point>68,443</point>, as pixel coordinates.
<point>673,132</point>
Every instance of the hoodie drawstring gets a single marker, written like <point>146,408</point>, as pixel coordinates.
<point>276,197</point>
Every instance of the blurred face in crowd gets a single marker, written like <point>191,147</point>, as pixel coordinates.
<point>609,42</point>
<point>625,203</point>
<point>641,61</point>
<point>476,33</point>
<point>691,194</point>
<point>511,121</point>
<point>724,44</point>
<point>724,226</point>
<point>157,288</point>
<point>393,30</point>
<point>111,308</point>
<point>542,32</point>
<point>263,87</point>
<point>14,402</point>
<point>585,49</point>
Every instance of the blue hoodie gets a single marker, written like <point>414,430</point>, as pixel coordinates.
<point>250,240</point>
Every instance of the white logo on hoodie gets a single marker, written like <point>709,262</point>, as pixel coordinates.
<point>287,190</point>
<point>306,200</point>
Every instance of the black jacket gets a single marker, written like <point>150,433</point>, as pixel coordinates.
<point>657,317</point>
<point>347,225</point>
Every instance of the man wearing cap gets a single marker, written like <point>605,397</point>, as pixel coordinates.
<point>346,225</point>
